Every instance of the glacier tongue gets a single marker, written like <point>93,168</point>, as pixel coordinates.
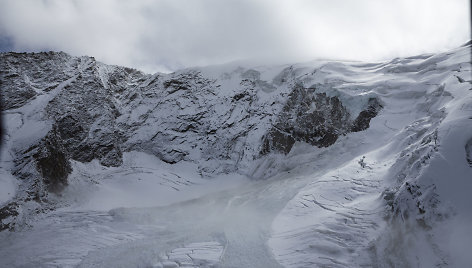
<point>317,164</point>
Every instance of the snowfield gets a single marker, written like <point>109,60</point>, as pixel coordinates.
<point>220,167</point>
<point>418,170</point>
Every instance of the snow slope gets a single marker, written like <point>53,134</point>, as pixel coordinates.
<point>407,205</point>
<point>320,164</point>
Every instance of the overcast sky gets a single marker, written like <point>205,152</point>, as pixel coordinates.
<point>165,35</point>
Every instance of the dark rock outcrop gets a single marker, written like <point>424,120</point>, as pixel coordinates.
<point>468,152</point>
<point>362,121</point>
<point>15,99</point>
<point>316,119</point>
<point>52,162</point>
<point>8,211</point>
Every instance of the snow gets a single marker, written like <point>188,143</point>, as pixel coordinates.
<point>8,186</point>
<point>142,181</point>
<point>332,220</point>
<point>396,194</point>
<point>338,220</point>
<point>201,254</point>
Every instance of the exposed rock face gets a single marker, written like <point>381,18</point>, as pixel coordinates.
<point>52,162</point>
<point>468,152</point>
<point>362,121</point>
<point>314,118</point>
<point>98,111</point>
<point>85,118</point>
<point>7,212</point>
<point>24,76</point>
<point>15,99</point>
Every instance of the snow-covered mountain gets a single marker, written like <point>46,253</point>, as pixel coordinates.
<point>337,164</point>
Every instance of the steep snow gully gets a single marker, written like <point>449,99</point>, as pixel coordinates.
<point>320,164</point>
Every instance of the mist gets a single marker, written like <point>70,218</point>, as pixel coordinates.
<point>169,35</point>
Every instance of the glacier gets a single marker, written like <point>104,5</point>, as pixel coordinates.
<point>316,164</point>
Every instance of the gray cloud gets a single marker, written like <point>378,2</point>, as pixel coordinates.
<point>165,35</point>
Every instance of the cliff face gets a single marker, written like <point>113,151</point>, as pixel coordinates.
<point>316,119</point>
<point>79,109</point>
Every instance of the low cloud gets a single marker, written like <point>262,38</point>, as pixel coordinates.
<point>166,35</point>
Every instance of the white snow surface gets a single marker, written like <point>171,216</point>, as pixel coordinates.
<point>7,186</point>
<point>394,195</point>
<point>142,181</point>
<point>340,219</point>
